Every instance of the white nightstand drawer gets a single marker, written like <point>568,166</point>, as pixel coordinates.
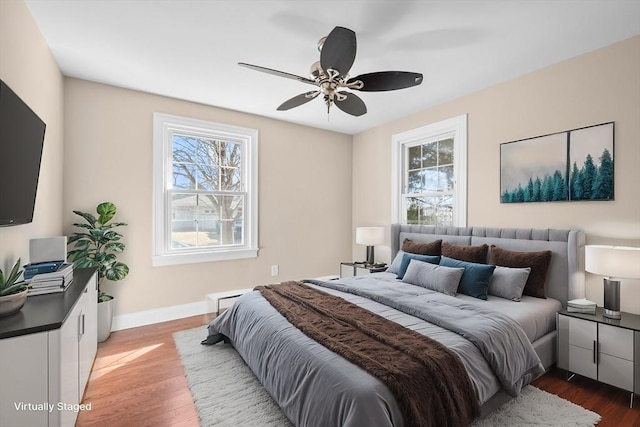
<point>616,341</point>
<point>361,271</point>
<point>581,361</point>
<point>346,270</point>
<point>615,371</point>
<point>596,347</point>
<point>582,333</point>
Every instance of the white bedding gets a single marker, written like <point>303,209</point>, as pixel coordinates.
<point>537,316</point>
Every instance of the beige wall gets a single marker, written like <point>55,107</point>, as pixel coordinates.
<point>597,87</point>
<point>27,66</point>
<point>304,193</point>
<point>306,183</point>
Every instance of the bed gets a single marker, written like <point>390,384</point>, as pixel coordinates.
<point>314,386</point>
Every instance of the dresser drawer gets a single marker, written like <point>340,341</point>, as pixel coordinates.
<point>616,342</point>
<point>581,361</point>
<point>615,371</point>
<point>582,333</point>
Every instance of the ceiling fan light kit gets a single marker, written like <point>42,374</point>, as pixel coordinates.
<point>331,75</point>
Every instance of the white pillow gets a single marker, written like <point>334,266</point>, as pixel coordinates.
<point>508,282</point>
<point>435,277</point>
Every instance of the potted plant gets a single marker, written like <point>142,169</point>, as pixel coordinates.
<point>97,245</point>
<point>13,294</point>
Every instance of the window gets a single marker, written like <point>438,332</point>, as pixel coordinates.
<point>205,191</point>
<point>429,174</point>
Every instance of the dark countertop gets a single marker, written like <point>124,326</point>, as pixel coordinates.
<point>46,312</point>
<point>628,320</point>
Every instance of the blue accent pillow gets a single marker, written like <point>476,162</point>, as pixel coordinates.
<point>407,257</point>
<point>475,279</point>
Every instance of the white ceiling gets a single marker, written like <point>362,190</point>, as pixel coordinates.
<point>189,49</point>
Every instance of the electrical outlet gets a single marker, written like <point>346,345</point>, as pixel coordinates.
<point>274,270</point>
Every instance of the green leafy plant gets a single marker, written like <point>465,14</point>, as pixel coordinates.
<point>97,246</point>
<point>9,285</point>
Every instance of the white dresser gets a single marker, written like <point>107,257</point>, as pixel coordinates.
<point>600,348</point>
<point>46,355</point>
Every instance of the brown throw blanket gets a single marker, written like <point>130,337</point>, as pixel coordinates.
<point>428,380</point>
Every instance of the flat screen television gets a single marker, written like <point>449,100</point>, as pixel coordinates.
<point>21,140</point>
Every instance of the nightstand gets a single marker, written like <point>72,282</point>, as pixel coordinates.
<point>350,269</point>
<point>604,349</point>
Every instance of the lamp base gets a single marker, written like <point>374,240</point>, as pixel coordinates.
<point>612,299</point>
<point>612,314</point>
<point>370,255</point>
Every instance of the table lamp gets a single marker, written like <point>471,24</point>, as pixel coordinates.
<point>369,236</point>
<point>614,262</point>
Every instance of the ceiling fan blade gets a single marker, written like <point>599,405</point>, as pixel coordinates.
<point>339,50</point>
<point>387,80</point>
<point>278,73</point>
<point>298,100</point>
<point>352,104</point>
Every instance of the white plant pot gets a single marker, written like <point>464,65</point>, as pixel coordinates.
<point>105,319</point>
<point>10,304</point>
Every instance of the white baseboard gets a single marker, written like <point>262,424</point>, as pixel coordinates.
<point>157,315</point>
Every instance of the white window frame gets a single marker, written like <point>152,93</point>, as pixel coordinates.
<point>455,127</point>
<point>163,127</point>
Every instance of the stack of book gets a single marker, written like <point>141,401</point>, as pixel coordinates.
<point>581,306</point>
<point>48,277</point>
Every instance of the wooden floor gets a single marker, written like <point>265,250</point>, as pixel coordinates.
<point>610,402</point>
<point>138,380</point>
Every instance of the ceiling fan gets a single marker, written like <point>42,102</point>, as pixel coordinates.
<point>330,75</point>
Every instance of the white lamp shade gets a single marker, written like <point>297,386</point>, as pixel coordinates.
<point>370,236</point>
<point>621,262</point>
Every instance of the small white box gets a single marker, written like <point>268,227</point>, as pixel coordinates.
<point>214,301</point>
<point>48,249</point>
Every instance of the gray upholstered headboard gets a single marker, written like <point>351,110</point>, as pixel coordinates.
<point>565,278</point>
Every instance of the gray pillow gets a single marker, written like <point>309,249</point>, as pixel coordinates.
<point>508,282</point>
<point>434,277</point>
<point>395,264</point>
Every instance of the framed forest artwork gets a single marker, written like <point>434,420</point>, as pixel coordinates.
<point>574,165</point>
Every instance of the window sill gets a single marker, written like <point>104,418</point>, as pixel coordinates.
<point>192,258</point>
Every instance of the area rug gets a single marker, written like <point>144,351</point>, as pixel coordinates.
<point>227,394</point>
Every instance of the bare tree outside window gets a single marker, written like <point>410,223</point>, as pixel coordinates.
<point>430,182</point>
<point>208,194</point>
<point>205,191</point>
<point>429,174</point>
